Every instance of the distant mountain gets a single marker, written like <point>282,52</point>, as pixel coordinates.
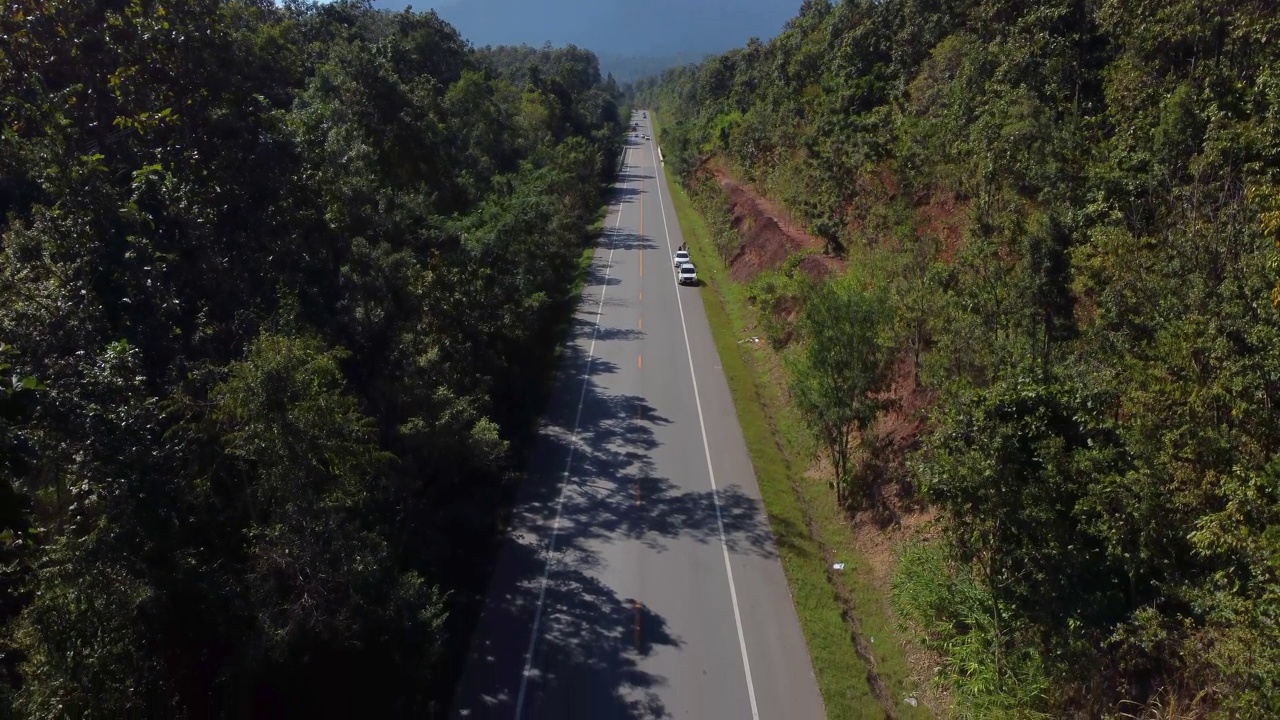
<point>629,68</point>
<point>621,28</point>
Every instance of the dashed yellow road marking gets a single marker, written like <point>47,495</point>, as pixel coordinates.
<point>639,417</point>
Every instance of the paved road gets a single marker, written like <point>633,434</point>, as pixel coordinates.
<point>641,579</point>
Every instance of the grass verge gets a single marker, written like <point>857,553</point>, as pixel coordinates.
<point>854,644</point>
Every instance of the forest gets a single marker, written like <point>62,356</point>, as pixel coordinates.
<point>1060,220</point>
<point>281,288</point>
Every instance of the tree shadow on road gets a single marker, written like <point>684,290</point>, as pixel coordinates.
<point>630,177</point>
<point>622,239</point>
<point>584,329</point>
<point>586,660</point>
<point>598,276</point>
<point>625,195</point>
<point>590,489</point>
<point>619,494</point>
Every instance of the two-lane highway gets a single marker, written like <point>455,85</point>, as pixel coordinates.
<point>641,579</point>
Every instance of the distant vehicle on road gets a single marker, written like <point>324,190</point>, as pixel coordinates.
<point>688,274</point>
<point>681,257</point>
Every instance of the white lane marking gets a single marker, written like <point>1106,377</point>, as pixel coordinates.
<point>706,448</point>
<point>564,479</point>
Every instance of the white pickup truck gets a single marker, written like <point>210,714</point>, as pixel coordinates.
<point>687,274</point>
<point>681,257</point>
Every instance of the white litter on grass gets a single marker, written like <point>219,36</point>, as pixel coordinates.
<point>912,701</point>
<point>838,566</point>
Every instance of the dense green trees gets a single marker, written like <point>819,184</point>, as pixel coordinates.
<point>1099,330</point>
<point>278,289</point>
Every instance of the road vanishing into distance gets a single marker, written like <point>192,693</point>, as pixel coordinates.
<point>640,578</point>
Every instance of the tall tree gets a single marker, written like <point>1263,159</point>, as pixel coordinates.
<point>841,362</point>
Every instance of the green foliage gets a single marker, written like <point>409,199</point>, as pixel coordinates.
<point>773,292</point>
<point>841,362</point>
<point>290,279</point>
<point>716,209</point>
<point>1071,211</point>
<point>16,530</point>
<point>1011,463</point>
<point>994,674</point>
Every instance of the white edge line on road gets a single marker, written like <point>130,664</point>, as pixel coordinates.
<point>706,448</point>
<point>564,479</point>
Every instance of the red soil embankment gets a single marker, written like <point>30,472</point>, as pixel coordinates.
<point>768,235</point>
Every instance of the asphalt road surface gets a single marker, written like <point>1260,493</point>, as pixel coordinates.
<point>641,578</point>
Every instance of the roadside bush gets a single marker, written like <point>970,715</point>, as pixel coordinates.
<point>990,671</point>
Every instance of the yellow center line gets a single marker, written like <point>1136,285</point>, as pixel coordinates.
<point>641,234</point>
<point>639,418</point>
<point>640,322</point>
<point>639,361</point>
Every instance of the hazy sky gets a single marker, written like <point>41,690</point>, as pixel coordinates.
<point>620,27</point>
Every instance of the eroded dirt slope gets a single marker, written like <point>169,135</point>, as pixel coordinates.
<point>768,234</point>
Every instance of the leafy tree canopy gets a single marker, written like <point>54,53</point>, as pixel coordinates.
<point>279,286</point>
